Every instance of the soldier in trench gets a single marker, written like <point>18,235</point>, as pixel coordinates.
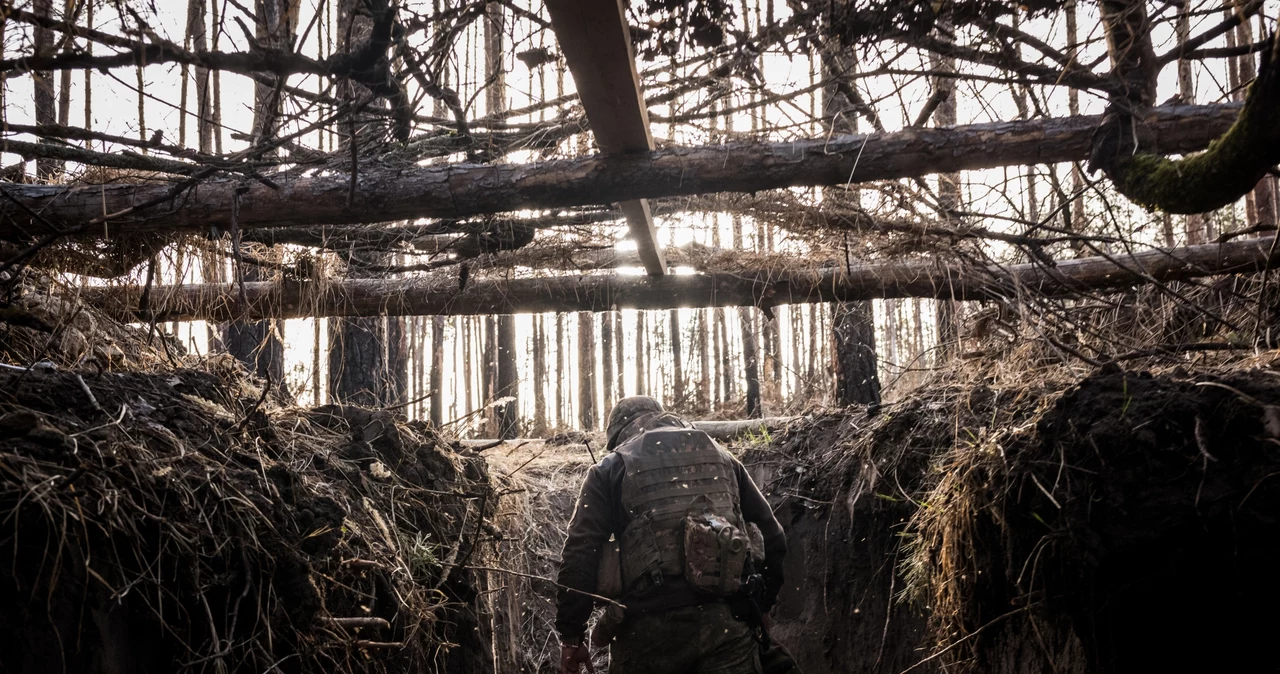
<point>663,526</point>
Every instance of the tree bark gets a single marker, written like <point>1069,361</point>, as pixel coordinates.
<point>45,105</point>
<point>357,361</point>
<point>840,115</point>
<point>437,371</point>
<point>751,363</point>
<point>508,378</point>
<point>560,369</point>
<point>489,371</point>
<point>642,339</point>
<point>1195,224</point>
<point>677,360</point>
<point>461,190</point>
<point>257,344</point>
<point>539,375</point>
<point>705,374</point>
<point>586,371</point>
<point>435,296</point>
<point>1231,166</point>
<point>618,354</point>
<point>606,362</point>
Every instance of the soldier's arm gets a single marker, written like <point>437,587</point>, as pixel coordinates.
<point>755,509</point>
<point>589,530</point>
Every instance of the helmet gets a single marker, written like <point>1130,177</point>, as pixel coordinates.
<point>626,413</point>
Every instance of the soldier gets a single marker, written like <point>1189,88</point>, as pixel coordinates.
<point>676,508</point>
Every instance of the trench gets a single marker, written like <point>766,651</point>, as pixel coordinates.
<point>159,520</point>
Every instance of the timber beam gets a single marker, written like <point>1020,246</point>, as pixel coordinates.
<point>596,43</point>
<point>438,294</point>
<point>383,195</point>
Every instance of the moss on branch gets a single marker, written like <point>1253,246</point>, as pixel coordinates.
<point>1225,171</point>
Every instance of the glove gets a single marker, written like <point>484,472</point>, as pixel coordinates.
<point>573,656</point>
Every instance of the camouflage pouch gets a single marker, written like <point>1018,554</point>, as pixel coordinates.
<point>715,554</point>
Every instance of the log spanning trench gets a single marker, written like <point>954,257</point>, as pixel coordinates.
<point>384,195</point>
<point>438,294</point>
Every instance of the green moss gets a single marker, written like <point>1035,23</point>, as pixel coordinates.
<point>1225,171</point>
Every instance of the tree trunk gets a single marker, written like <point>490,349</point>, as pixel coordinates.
<point>397,359</point>
<point>455,191</point>
<point>718,364</point>
<point>950,194</point>
<point>256,343</point>
<point>508,377</point>
<point>437,371</point>
<point>586,371</point>
<point>45,106</point>
<point>704,364</point>
<point>857,379</point>
<point>677,361</point>
<point>642,339</point>
<point>357,361</point>
<point>1195,225</point>
<point>815,339</point>
<point>751,363</point>
<point>1261,201</point>
<point>560,370</point>
<point>840,115</point>
<point>539,376</point>
<point>607,375</point>
<point>468,354</point>
<point>196,10</point>
<point>489,371</point>
<point>618,355</point>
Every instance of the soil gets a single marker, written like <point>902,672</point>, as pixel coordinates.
<point>1127,523</point>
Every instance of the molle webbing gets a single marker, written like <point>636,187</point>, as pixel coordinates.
<point>666,470</point>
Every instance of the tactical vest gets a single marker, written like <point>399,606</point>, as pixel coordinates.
<point>667,470</point>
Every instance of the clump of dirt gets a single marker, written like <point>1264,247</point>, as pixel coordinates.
<point>183,521</point>
<point>43,324</point>
<point>1122,522</point>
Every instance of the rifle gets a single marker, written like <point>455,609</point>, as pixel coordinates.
<point>747,604</point>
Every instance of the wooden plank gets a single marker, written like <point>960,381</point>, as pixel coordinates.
<point>596,43</point>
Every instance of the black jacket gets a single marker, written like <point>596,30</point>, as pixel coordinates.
<point>599,514</point>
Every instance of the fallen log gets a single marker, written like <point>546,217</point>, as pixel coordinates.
<point>382,195</point>
<point>438,294</point>
<point>725,431</point>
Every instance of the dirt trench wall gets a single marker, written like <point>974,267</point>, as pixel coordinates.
<point>1120,522</point>
<point>182,521</point>
<point>1124,523</point>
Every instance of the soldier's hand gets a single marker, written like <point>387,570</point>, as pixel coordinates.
<point>573,657</point>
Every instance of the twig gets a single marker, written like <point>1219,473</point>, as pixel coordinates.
<point>88,393</point>
<point>967,637</point>
<point>266,388</point>
<point>399,406</point>
<point>369,621</point>
<point>559,585</point>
